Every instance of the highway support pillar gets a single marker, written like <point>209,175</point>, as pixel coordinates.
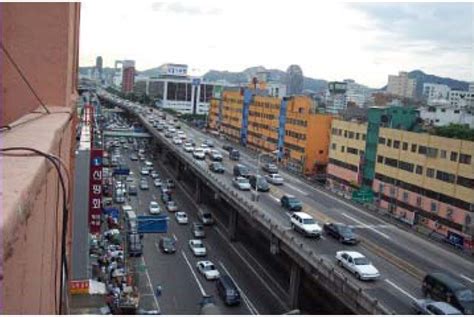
<point>197,191</point>
<point>274,245</point>
<point>295,280</point>
<point>233,225</point>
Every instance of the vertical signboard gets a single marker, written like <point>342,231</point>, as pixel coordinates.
<point>95,191</point>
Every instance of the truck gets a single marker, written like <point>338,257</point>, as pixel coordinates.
<point>134,244</point>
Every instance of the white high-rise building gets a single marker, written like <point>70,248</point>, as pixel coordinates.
<point>401,85</point>
<point>461,98</point>
<point>433,93</point>
<point>356,93</point>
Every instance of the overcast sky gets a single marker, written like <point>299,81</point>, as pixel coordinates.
<point>331,41</point>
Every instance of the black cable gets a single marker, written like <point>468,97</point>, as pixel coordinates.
<point>23,77</point>
<point>56,162</point>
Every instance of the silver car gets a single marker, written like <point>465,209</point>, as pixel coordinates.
<point>430,307</point>
<point>241,183</point>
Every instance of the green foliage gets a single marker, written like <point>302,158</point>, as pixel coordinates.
<point>455,131</point>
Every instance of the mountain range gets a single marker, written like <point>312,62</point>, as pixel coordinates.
<point>310,84</point>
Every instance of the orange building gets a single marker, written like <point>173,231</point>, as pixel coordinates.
<point>289,126</point>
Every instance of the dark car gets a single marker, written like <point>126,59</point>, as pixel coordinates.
<point>234,155</point>
<point>168,245</point>
<point>291,203</point>
<point>132,190</point>
<point>217,167</point>
<point>270,168</point>
<point>259,182</point>
<point>170,183</point>
<point>227,290</point>
<point>166,197</point>
<point>227,147</point>
<point>446,288</point>
<point>342,232</point>
<point>241,170</point>
<point>134,157</point>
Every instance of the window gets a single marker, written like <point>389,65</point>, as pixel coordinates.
<point>321,152</point>
<point>396,144</point>
<point>405,146</point>
<point>357,136</point>
<point>442,154</point>
<point>351,135</point>
<point>419,201</point>
<point>434,206</point>
<point>431,152</point>
<point>392,190</point>
<point>464,158</point>
<point>430,172</point>
<point>413,148</point>
<point>445,177</point>
<point>419,169</point>
<point>406,166</point>
<point>405,196</point>
<point>381,140</point>
<point>454,156</point>
<point>345,133</point>
<point>389,142</point>
<point>391,162</point>
<point>352,150</point>
<point>422,149</point>
<point>465,182</point>
<point>333,146</point>
<point>379,159</point>
<point>363,136</point>
<point>381,187</point>
<point>342,149</point>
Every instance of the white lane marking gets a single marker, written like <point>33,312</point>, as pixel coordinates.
<point>297,189</point>
<point>249,266</point>
<point>175,237</point>
<point>467,278</point>
<point>203,292</point>
<point>150,285</point>
<point>274,198</point>
<point>401,290</point>
<point>247,301</point>
<point>366,226</point>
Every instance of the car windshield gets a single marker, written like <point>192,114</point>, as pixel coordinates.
<point>154,204</point>
<point>276,176</point>
<point>309,221</point>
<point>293,200</point>
<point>198,245</point>
<point>210,267</point>
<point>465,295</point>
<point>242,180</point>
<point>345,230</point>
<point>198,227</point>
<point>171,203</point>
<point>361,261</point>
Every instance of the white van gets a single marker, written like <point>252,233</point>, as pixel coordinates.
<point>305,224</point>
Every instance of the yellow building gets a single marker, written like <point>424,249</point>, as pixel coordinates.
<point>421,179</point>
<point>289,126</point>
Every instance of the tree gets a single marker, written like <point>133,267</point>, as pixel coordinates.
<point>455,131</point>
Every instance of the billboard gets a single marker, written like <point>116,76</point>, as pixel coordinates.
<point>95,190</point>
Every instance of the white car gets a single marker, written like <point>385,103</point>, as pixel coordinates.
<point>145,171</point>
<point>177,141</point>
<point>197,247</point>
<point>149,164</point>
<point>188,147</point>
<point>208,269</point>
<point>241,183</point>
<point>157,182</point>
<point>154,208</point>
<point>205,148</point>
<point>181,217</point>
<point>357,264</point>
<point>199,154</point>
<point>304,223</point>
<point>274,179</point>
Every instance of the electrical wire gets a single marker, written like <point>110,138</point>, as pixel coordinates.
<point>56,163</point>
<point>10,58</point>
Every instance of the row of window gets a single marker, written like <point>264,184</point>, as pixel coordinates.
<point>302,123</point>
<point>349,134</point>
<point>426,150</point>
<point>232,100</point>
<point>349,149</point>
<point>225,125</point>
<point>425,192</point>
<point>430,172</point>
<point>345,165</point>
<point>294,147</point>
<point>266,105</point>
<point>262,115</point>
<point>296,135</point>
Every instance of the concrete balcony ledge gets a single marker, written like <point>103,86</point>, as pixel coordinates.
<point>31,211</point>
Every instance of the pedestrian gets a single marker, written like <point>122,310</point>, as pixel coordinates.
<point>158,290</point>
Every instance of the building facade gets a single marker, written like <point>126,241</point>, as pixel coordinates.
<point>420,178</point>
<point>336,100</point>
<point>401,85</point>
<point>433,93</point>
<point>128,76</point>
<point>287,126</point>
<point>42,39</point>
<point>442,115</point>
<point>461,98</point>
<point>356,93</point>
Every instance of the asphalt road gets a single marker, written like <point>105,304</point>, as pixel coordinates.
<point>402,257</point>
<point>182,285</point>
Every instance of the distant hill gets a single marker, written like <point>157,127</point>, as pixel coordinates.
<point>315,85</point>
<point>422,78</point>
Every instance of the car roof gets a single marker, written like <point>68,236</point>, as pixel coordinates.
<point>195,240</point>
<point>447,279</point>
<point>354,254</point>
<point>445,307</point>
<point>289,196</point>
<point>303,215</point>
<point>206,262</point>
